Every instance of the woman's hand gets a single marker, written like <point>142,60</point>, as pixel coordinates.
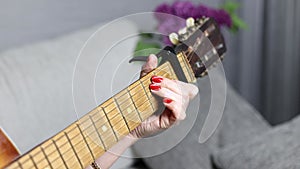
<point>176,96</point>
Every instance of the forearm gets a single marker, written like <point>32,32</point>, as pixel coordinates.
<point>109,157</point>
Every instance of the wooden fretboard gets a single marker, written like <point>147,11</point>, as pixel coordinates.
<point>85,140</point>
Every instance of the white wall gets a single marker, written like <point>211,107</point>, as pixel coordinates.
<point>25,21</point>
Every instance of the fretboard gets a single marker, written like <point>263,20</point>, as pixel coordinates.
<point>85,140</point>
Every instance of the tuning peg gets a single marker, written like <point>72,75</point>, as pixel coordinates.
<point>174,38</point>
<point>190,22</point>
<point>182,31</point>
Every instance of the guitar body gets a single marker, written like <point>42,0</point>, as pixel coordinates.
<point>8,151</point>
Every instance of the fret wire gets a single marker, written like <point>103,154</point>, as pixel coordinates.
<point>34,164</point>
<point>110,124</point>
<point>84,156</point>
<point>121,103</point>
<point>65,142</point>
<point>85,141</point>
<point>141,80</point>
<point>20,164</point>
<point>55,146</point>
<point>116,114</point>
<point>90,134</point>
<point>128,93</point>
<point>73,149</point>
<point>170,67</point>
<point>98,120</point>
<point>99,135</point>
<point>122,115</point>
<point>132,99</point>
<point>99,125</point>
<point>134,105</point>
<point>131,111</point>
<point>68,149</point>
<point>111,134</point>
<point>43,151</point>
<point>147,95</point>
<point>60,153</point>
<point>143,109</point>
<point>79,142</point>
<point>108,113</point>
<point>83,148</point>
<point>118,128</point>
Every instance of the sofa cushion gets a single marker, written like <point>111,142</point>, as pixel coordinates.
<point>240,121</point>
<point>276,149</point>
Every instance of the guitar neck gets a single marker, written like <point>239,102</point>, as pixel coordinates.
<point>78,145</point>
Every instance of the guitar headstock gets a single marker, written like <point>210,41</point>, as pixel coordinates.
<point>201,42</point>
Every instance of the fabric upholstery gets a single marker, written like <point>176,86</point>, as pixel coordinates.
<point>36,84</point>
<point>240,121</point>
<point>276,149</point>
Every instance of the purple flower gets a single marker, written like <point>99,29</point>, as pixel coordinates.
<point>171,25</point>
<point>163,8</point>
<point>183,8</point>
<point>167,41</point>
<point>168,26</point>
<point>222,18</point>
<point>203,11</point>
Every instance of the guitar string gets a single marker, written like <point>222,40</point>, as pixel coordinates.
<point>114,108</point>
<point>89,134</point>
<point>110,111</point>
<point>94,131</point>
<point>98,120</point>
<point>88,153</point>
<point>95,122</point>
<point>109,135</point>
<point>192,52</point>
<point>69,149</point>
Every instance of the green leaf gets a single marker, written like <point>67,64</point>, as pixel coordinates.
<point>230,6</point>
<point>237,23</point>
<point>144,49</point>
<point>141,45</point>
<point>146,35</point>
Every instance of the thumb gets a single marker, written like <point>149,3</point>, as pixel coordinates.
<point>149,65</point>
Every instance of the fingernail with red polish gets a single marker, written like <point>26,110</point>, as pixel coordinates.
<point>154,87</point>
<point>167,100</point>
<point>156,79</point>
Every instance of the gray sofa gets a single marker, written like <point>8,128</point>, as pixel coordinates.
<point>240,122</point>
<point>36,102</point>
<point>243,140</point>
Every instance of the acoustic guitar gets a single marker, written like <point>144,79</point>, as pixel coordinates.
<point>196,48</point>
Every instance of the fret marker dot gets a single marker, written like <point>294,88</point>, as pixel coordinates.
<point>128,110</point>
<point>104,128</point>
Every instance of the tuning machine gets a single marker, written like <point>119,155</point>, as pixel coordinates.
<point>190,22</point>
<point>174,38</point>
